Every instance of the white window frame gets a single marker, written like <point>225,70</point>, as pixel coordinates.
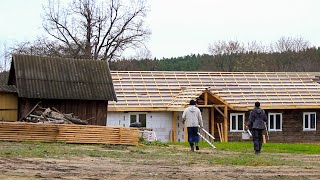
<point>274,121</point>
<point>137,117</point>
<point>309,121</point>
<point>237,121</point>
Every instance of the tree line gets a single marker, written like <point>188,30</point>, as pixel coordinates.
<point>287,54</point>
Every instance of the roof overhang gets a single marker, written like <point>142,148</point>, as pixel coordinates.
<point>144,109</point>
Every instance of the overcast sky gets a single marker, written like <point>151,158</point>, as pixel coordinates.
<point>183,27</point>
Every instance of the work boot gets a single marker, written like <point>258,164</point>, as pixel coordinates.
<point>197,148</point>
<point>192,148</point>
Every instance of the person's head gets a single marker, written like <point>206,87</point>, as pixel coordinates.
<point>257,104</point>
<point>192,102</point>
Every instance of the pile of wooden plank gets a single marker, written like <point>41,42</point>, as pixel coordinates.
<point>51,116</point>
<point>69,133</point>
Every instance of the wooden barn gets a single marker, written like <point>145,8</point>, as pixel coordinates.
<point>8,99</point>
<point>81,87</point>
<point>158,98</point>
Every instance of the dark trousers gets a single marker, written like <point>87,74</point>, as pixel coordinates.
<point>257,139</point>
<point>193,136</point>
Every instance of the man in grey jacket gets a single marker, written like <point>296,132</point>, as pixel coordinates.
<point>192,118</point>
<point>257,121</point>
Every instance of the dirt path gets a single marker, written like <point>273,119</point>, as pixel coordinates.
<point>132,168</point>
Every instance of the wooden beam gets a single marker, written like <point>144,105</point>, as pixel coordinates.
<point>225,129</point>
<point>174,126</point>
<point>144,109</point>
<point>217,105</point>
<point>185,134</point>
<point>206,98</point>
<point>24,116</point>
<point>205,106</point>
<point>220,111</point>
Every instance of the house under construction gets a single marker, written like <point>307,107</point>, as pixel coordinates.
<point>158,98</point>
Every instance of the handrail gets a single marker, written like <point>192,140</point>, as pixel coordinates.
<point>210,143</point>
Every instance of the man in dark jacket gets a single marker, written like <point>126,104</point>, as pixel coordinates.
<point>257,122</point>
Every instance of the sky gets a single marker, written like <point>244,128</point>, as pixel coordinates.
<point>184,27</point>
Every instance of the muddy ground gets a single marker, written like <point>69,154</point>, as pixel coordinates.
<point>177,167</point>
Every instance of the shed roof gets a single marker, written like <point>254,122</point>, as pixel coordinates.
<point>4,87</point>
<point>60,78</point>
<point>159,90</point>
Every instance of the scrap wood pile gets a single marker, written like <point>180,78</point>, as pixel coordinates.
<point>52,116</point>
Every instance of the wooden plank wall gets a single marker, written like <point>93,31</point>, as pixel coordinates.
<point>20,131</point>
<point>8,107</point>
<point>82,109</point>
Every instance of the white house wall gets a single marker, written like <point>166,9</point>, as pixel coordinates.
<point>180,128</point>
<point>205,118</point>
<point>160,122</point>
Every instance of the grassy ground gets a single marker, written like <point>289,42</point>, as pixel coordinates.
<point>269,147</point>
<point>234,153</point>
<point>236,160</point>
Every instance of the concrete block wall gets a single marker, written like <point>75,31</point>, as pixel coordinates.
<point>160,122</point>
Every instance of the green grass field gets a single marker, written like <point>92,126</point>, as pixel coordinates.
<point>269,147</point>
<point>232,153</point>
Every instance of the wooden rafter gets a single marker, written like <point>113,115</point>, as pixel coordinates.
<point>155,90</point>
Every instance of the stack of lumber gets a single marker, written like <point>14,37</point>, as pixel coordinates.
<point>70,133</point>
<point>51,116</point>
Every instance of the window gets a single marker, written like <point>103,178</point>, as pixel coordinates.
<point>275,121</point>
<point>139,118</point>
<point>236,122</point>
<point>309,121</point>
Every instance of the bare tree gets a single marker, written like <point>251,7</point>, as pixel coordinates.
<point>256,47</point>
<point>287,44</point>
<point>43,47</point>
<point>4,58</point>
<point>224,47</point>
<point>96,29</point>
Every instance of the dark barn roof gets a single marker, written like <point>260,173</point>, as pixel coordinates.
<point>59,78</point>
<point>4,87</point>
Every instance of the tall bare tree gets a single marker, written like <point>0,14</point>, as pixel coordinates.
<point>96,29</point>
<point>4,57</point>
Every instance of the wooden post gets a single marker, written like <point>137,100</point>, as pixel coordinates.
<point>174,126</point>
<point>205,98</point>
<point>225,129</point>
<point>185,134</point>
<point>212,121</point>
<point>264,139</point>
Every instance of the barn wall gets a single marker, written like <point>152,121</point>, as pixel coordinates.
<point>292,127</point>
<point>160,122</point>
<point>8,106</point>
<point>82,109</point>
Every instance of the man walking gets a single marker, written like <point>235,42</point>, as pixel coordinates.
<point>256,124</point>
<point>192,118</point>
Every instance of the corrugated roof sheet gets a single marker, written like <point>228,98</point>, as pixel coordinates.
<point>4,87</point>
<point>60,78</point>
<point>164,89</point>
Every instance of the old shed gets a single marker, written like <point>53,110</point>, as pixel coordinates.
<point>81,87</point>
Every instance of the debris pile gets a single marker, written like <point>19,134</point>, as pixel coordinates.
<point>52,116</point>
